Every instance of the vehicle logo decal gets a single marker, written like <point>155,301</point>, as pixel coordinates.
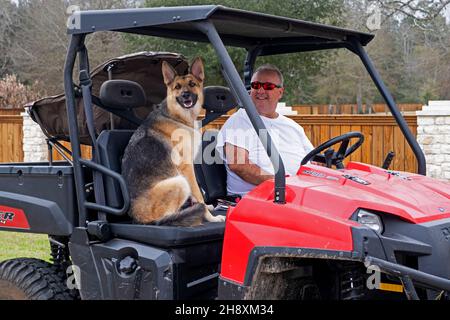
<point>6,216</point>
<point>13,218</point>
<point>446,233</point>
<point>399,175</point>
<point>356,179</point>
<point>314,174</point>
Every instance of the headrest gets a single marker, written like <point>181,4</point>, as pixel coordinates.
<point>122,94</point>
<point>218,99</point>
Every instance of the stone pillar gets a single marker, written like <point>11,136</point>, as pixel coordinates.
<point>433,135</point>
<point>34,144</point>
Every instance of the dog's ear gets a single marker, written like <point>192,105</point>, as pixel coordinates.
<point>197,69</point>
<point>169,73</point>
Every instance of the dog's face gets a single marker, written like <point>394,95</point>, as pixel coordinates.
<point>184,93</point>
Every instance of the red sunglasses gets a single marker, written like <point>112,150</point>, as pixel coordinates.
<point>265,85</point>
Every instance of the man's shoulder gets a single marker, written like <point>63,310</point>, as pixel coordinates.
<point>240,113</point>
<point>288,121</point>
<point>239,118</point>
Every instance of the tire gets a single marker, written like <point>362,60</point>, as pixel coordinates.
<point>33,279</point>
<point>304,289</point>
<point>281,286</point>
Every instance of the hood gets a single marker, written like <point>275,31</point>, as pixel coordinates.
<point>411,197</point>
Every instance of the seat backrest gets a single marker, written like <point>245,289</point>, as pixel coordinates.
<point>111,147</point>
<point>122,94</point>
<point>210,170</point>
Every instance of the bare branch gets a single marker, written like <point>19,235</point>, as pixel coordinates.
<point>424,10</point>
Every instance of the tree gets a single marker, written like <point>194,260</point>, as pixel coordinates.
<point>8,15</point>
<point>296,68</point>
<point>412,59</point>
<point>411,50</point>
<point>420,11</point>
<point>14,94</point>
<point>40,40</point>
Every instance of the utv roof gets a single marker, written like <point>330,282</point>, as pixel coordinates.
<point>236,27</point>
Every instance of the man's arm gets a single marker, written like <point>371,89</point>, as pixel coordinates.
<point>238,162</point>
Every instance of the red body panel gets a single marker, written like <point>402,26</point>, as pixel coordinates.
<point>320,202</point>
<point>13,218</point>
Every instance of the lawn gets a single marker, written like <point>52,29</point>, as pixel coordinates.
<point>16,245</point>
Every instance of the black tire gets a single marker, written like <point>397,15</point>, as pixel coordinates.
<point>304,289</point>
<point>33,279</point>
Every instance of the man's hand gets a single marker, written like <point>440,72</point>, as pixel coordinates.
<point>239,163</point>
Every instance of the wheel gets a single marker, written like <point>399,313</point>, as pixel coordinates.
<point>33,279</point>
<point>303,289</point>
<point>284,286</point>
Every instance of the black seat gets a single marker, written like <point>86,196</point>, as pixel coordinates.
<point>210,169</point>
<point>111,146</point>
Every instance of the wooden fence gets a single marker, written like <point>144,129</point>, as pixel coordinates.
<point>10,112</point>
<point>353,108</point>
<point>381,136</point>
<point>86,151</point>
<point>11,136</point>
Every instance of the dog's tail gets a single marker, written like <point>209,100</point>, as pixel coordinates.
<point>185,217</point>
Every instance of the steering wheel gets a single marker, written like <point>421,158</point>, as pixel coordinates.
<point>331,157</point>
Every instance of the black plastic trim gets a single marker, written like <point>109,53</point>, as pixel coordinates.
<point>36,169</point>
<point>126,197</point>
<point>258,253</point>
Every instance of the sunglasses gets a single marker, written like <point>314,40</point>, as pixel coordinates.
<point>265,85</point>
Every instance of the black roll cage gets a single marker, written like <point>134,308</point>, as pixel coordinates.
<point>204,25</point>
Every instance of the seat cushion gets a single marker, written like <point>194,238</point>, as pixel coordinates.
<point>168,236</point>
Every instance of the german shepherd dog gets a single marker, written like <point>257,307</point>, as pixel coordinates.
<point>157,168</point>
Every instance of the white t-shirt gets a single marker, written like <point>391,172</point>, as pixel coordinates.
<point>288,137</point>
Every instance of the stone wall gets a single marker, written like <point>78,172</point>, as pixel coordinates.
<point>34,143</point>
<point>433,135</point>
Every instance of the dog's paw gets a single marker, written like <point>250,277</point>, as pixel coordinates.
<point>210,218</point>
<point>219,219</point>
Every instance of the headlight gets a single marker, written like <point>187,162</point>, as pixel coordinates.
<point>370,220</point>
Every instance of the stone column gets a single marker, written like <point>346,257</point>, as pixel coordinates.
<point>34,144</point>
<point>433,135</point>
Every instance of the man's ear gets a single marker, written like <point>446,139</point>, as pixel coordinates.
<point>281,92</point>
<point>169,73</point>
<point>197,69</point>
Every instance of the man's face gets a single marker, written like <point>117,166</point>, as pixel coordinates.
<point>266,100</point>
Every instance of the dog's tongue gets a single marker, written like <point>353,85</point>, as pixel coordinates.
<point>188,103</point>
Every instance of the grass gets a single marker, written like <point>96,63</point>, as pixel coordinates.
<point>18,245</point>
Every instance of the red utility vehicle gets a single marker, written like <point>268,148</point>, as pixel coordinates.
<point>330,232</point>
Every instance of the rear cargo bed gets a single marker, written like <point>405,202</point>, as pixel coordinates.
<point>37,198</point>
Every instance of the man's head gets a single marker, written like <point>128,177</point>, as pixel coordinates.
<point>267,89</point>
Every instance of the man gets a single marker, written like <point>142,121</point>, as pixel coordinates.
<point>238,144</point>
